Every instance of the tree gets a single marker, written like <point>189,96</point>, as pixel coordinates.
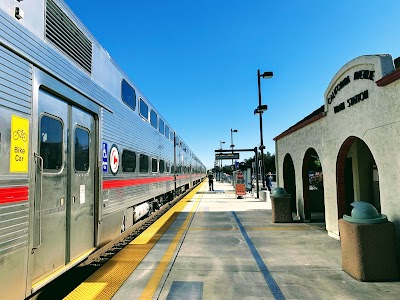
<point>269,163</point>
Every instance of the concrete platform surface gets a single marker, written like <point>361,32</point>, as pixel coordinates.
<point>221,247</point>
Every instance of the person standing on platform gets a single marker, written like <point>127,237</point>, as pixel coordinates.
<point>269,181</point>
<point>211,181</point>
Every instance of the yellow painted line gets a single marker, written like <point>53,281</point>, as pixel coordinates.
<point>151,286</point>
<point>106,281</point>
<point>153,230</point>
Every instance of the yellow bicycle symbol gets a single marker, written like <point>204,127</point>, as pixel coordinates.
<point>19,134</point>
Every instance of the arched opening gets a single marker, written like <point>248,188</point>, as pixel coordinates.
<point>289,181</point>
<point>313,187</point>
<point>357,176</point>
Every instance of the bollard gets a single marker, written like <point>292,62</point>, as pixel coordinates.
<point>263,196</point>
<point>268,196</point>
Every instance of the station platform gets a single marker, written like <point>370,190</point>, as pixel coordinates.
<point>212,245</point>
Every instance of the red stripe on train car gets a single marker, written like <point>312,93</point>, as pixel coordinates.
<point>113,184</point>
<point>14,194</point>
<point>182,176</point>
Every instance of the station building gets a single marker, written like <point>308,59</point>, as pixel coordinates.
<point>355,136</point>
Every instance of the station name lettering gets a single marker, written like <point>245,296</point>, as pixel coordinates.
<point>351,101</point>
<point>362,74</point>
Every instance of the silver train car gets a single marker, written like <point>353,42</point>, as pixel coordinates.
<point>83,152</point>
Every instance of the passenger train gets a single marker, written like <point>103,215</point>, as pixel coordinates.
<point>83,153</point>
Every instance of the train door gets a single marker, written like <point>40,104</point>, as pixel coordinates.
<point>80,213</point>
<point>80,216</point>
<point>64,201</point>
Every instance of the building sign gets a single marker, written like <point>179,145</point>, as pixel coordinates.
<point>362,74</point>
<point>19,149</point>
<point>351,101</point>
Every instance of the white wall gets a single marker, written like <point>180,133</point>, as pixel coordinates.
<point>375,120</point>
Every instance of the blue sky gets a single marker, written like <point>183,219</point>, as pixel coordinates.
<point>197,61</point>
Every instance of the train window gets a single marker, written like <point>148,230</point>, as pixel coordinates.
<point>128,161</point>
<point>144,109</point>
<point>143,163</point>
<point>154,168</point>
<point>172,169</point>
<point>153,119</point>
<point>161,128</point>
<point>81,149</point>
<point>128,94</point>
<point>162,166</point>
<point>168,167</point>
<point>171,136</point>
<point>177,141</point>
<point>51,143</point>
<point>166,131</point>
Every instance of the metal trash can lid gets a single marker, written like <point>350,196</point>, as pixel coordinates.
<point>279,192</point>
<point>364,212</point>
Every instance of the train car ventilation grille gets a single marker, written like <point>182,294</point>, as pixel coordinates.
<point>67,37</point>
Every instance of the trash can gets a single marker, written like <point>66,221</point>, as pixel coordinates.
<point>368,243</point>
<point>280,203</point>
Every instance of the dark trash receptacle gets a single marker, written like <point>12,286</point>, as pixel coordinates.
<point>368,243</point>
<point>280,203</point>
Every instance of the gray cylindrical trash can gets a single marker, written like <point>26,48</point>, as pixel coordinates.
<point>368,242</point>
<point>280,203</point>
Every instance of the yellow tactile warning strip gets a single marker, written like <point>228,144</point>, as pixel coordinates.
<point>151,286</point>
<point>37,285</point>
<point>106,281</point>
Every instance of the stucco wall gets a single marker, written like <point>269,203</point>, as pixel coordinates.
<point>375,120</point>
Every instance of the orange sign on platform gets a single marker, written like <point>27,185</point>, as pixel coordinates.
<point>240,189</point>
<point>240,186</point>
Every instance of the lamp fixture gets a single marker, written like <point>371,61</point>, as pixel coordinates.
<point>261,109</point>
<point>267,75</point>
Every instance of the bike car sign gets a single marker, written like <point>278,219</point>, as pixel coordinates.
<point>19,144</point>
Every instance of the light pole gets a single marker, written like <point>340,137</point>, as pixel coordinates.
<point>259,110</point>
<point>220,170</point>
<point>232,145</point>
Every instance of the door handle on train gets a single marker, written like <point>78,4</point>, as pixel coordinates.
<point>37,237</point>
